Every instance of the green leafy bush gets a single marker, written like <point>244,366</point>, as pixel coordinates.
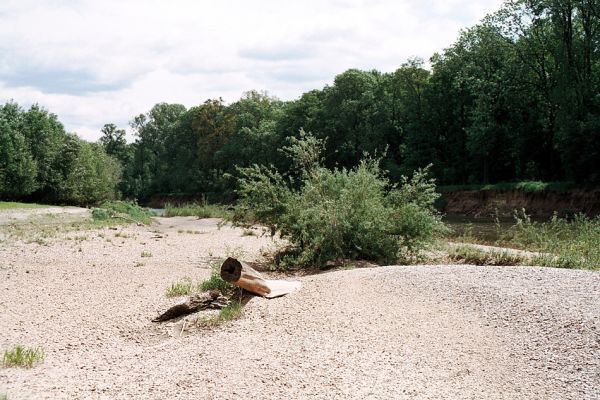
<point>340,214</point>
<point>123,210</point>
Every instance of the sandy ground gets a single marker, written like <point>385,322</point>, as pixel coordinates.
<point>417,332</point>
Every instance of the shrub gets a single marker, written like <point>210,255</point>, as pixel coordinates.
<point>124,210</point>
<point>340,214</point>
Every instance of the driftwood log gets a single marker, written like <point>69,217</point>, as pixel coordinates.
<point>194,303</point>
<point>246,277</point>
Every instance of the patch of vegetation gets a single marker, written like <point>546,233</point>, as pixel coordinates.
<point>183,287</point>
<point>124,211</point>
<point>146,254</point>
<point>233,311</point>
<point>566,243</point>
<point>200,210</point>
<point>11,205</point>
<point>472,255</point>
<point>122,235</point>
<point>215,282</point>
<point>340,214</point>
<point>21,356</point>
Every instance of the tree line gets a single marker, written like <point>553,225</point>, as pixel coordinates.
<point>516,97</point>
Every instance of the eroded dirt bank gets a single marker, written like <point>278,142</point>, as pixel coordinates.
<point>416,332</point>
<point>539,204</point>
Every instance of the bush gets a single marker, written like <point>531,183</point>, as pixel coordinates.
<point>340,214</point>
<point>124,210</point>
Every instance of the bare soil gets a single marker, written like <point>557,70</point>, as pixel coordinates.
<point>396,332</point>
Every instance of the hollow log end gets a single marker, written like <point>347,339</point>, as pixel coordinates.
<point>231,270</point>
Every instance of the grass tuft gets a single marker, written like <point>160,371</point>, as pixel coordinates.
<point>181,288</point>
<point>21,356</point>
<point>215,282</point>
<point>233,311</point>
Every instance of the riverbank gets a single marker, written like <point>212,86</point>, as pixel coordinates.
<point>503,202</point>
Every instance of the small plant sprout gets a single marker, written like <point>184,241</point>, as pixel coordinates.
<point>23,357</point>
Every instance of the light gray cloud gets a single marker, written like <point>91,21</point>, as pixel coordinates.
<point>93,62</point>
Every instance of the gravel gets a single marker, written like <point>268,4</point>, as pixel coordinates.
<point>396,332</point>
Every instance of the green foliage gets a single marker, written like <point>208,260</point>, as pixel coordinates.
<point>39,160</point>
<point>565,243</point>
<point>215,282</point>
<point>234,310</point>
<point>200,210</point>
<point>93,177</point>
<point>331,214</point>
<point>186,286</point>
<point>21,356</point>
<point>122,210</point>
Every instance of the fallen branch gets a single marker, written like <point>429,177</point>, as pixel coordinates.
<point>194,303</point>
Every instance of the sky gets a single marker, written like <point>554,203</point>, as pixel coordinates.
<point>94,62</point>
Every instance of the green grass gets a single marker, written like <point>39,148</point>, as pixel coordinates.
<point>3,397</point>
<point>10,205</point>
<point>146,254</point>
<point>526,186</point>
<point>200,210</point>
<point>215,282</point>
<point>567,243</point>
<point>23,357</point>
<point>466,254</point>
<point>233,311</point>
<point>562,242</point>
<point>185,286</point>
<point>182,287</point>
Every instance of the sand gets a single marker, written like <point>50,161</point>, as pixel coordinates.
<point>395,332</point>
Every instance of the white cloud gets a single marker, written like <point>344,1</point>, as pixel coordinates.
<point>93,62</point>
